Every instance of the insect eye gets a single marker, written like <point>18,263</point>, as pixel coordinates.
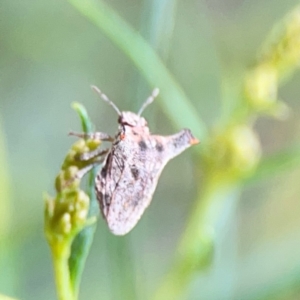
<point>127,124</point>
<point>122,122</point>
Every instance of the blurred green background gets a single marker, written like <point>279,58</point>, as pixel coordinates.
<point>50,55</point>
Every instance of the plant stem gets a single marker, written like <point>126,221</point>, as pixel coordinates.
<point>60,253</point>
<point>196,246</point>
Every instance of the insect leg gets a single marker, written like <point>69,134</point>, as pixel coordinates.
<point>80,173</point>
<point>85,170</point>
<point>92,154</point>
<point>99,136</point>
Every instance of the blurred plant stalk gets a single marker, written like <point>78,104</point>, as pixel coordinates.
<point>232,153</point>
<point>7,247</point>
<point>67,215</point>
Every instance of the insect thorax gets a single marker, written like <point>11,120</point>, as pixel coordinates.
<point>132,124</point>
<point>132,119</point>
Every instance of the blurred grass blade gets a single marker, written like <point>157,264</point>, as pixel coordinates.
<point>5,197</point>
<point>175,103</point>
<point>156,27</point>
<point>8,253</point>
<point>275,164</point>
<point>83,241</point>
<point>158,21</point>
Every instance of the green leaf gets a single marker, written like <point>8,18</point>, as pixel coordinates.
<point>83,115</point>
<point>83,241</point>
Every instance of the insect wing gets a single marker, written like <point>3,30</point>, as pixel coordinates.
<point>127,183</point>
<point>128,180</point>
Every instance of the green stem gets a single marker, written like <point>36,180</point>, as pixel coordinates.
<point>196,245</point>
<point>60,253</point>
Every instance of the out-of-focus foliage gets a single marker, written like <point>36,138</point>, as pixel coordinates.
<point>234,243</point>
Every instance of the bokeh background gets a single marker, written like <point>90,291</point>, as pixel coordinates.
<point>50,55</point>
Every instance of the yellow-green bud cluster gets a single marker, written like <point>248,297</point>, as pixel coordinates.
<point>280,57</point>
<point>66,213</point>
<point>232,154</point>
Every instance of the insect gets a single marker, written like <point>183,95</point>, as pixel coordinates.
<point>131,167</point>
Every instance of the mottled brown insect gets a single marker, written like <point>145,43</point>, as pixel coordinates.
<point>131,167</point>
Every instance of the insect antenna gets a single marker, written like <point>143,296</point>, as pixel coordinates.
<point>149,100</point>
<point>106,99</point>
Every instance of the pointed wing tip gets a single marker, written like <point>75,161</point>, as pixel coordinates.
<point>194,141</point>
